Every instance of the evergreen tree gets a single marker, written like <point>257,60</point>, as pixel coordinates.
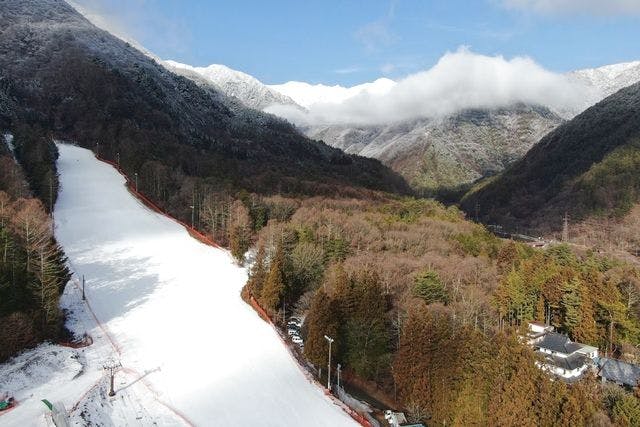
<point>274,287</point>
<point>429,287</point>
<point>239,241</point>
<point>323,319</point>
<point>258,274</point>
<point>571,305</point>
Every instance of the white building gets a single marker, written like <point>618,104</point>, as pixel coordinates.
<point>560,356</point>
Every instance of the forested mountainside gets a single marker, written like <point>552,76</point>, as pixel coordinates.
<point>425,307</point>
<point>83,84</point>
<point>32,266</point>
<point>436,155</point>
<point>586,167</point>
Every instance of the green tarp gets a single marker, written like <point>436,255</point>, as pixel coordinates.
<point>49,405</point>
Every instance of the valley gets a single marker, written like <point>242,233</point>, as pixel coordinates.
<point>439,219</point>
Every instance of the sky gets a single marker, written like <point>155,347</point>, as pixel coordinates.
<point>348,42</point>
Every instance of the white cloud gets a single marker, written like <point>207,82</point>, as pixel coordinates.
<point>593,7</point>
<point>460,80</point>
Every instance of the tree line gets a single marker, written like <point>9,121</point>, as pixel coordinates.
<point>33,272</point>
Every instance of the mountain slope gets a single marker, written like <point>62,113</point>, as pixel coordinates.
<point>587,166</point>
<point>434,155</point>
<point>247,89</point>
<point>145,285</point>
<point>610,78</point>
<point>84,84</point>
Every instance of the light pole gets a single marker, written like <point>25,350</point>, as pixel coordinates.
<point>339,375</point>
<point>136,174</point>
<point>192,214</point>
<point>328,338</point>
<point>118,159</point>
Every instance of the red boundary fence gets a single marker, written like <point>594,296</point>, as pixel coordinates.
<point>261,312</point>
<point>150,204</point>
<point>352,413</point>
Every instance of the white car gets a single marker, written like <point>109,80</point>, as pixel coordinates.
<point>296,339</point>
<point>295,321</point>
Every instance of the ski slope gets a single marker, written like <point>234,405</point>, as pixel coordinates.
<point>172,307</point>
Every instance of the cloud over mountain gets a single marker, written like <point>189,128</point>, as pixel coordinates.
<point>460,80</point>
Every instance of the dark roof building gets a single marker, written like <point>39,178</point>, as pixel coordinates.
<point>619,372</point>
<point>558,343</point>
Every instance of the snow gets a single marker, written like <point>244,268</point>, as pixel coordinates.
<point>74,379</point>
<point>172,308</point>
<point>610,78</point>
<point>8,138</point>
<point>249,90</point>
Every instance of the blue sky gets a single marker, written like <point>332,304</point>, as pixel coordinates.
<point>353,41</point>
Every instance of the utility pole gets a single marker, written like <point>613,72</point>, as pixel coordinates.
<point>339,367</point>
<point>136,175</point>
<point>565,228</point>
<point>329,364</point>
<point>83,297</point>
<point>192,214</point>
<point>118,159</point>
<point>111,366</point>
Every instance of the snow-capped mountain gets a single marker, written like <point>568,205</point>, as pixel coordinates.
<point>430,153</point>
<point>247,89</point>
<point>610,78</point>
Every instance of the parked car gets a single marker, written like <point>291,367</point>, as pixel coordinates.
<point>297,339</point>
<point>295,321</point>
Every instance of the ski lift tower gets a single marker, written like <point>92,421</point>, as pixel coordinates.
<point>111,366</point>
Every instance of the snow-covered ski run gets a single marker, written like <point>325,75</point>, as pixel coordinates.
<point>168,308</point>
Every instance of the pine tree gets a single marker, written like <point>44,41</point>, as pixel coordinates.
<point>571,305</point>
<point>274,287</point>
<point>364,327</point>
<point>429,287</point>
<point>323,319</point>
<point>258,274</point>
<point>239,241</point>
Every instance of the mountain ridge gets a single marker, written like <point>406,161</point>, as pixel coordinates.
<point>445,153</point>
<point>586,167</point>
<point>86,85</point>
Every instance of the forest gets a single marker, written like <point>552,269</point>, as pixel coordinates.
<point>32,266</point>
<point>425,307</point>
